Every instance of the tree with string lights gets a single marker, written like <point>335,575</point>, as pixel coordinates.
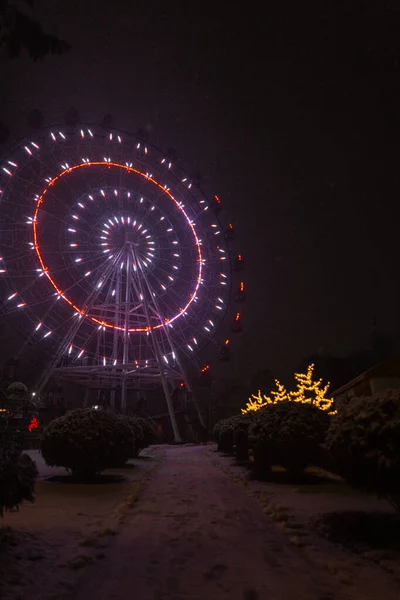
<point>256,402</point>
<point>308,391</point>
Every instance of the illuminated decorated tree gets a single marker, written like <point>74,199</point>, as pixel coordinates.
<point>257,402</point>
<point>280,394</point>
<point>308,391</point>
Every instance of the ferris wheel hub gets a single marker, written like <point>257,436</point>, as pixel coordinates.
<point>123,236</point>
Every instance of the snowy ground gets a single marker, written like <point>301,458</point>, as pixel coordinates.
<point>44,470</point>
<point>194,533</point>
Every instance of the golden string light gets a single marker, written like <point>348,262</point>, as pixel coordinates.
<point>308,391</point>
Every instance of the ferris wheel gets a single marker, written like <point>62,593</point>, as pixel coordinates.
<point>114,257</point>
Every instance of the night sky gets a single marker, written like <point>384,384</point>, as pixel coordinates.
<point>292,114</point>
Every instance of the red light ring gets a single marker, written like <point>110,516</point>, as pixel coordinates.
<point>192,296</point>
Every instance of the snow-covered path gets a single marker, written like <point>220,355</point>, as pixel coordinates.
<point>195,534</point>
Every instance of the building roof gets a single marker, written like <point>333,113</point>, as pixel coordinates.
<point>388,368</point>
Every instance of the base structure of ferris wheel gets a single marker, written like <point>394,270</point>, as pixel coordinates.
<point>134,296</point>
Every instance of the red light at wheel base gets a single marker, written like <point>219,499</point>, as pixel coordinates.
<point>226,342</point>
<point>237,317</point>
<point>217,199</point>
<point>34,424</point>
<point>182,384</point>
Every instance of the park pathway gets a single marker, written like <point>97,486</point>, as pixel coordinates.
<point>195,535</point>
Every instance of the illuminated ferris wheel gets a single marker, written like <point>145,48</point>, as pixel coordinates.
<point>114,256</point>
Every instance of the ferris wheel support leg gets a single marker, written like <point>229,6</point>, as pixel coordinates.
<point>112,400</point>
<point>187,384</point>
<point>193,399</point>
<point>115,340</point>
<point>126,335</point>
<point>123,395</point>
<point>53,364</point>
<point>157,352</point>
<point>185,378</point>
<point>168,399</point>
<point>190,389</point>
<point>86,397</point>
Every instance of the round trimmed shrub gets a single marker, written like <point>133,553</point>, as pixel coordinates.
<point>17,479</point>
<point>149,433</point>
<point>123,441</point>
<point>217,429</point>
<point>86,442</point>
<point>136,426</point>
<point>144,432</point>
<point>226,434</point>
<point>241,437</point>
<point>289,434</point>
<point>17,391</point>
<point>364,443</point>
<point>257,435</point>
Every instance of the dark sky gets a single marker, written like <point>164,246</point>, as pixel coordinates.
<point>291,112</point>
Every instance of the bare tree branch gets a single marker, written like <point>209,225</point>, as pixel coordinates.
<point>19,31</point>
